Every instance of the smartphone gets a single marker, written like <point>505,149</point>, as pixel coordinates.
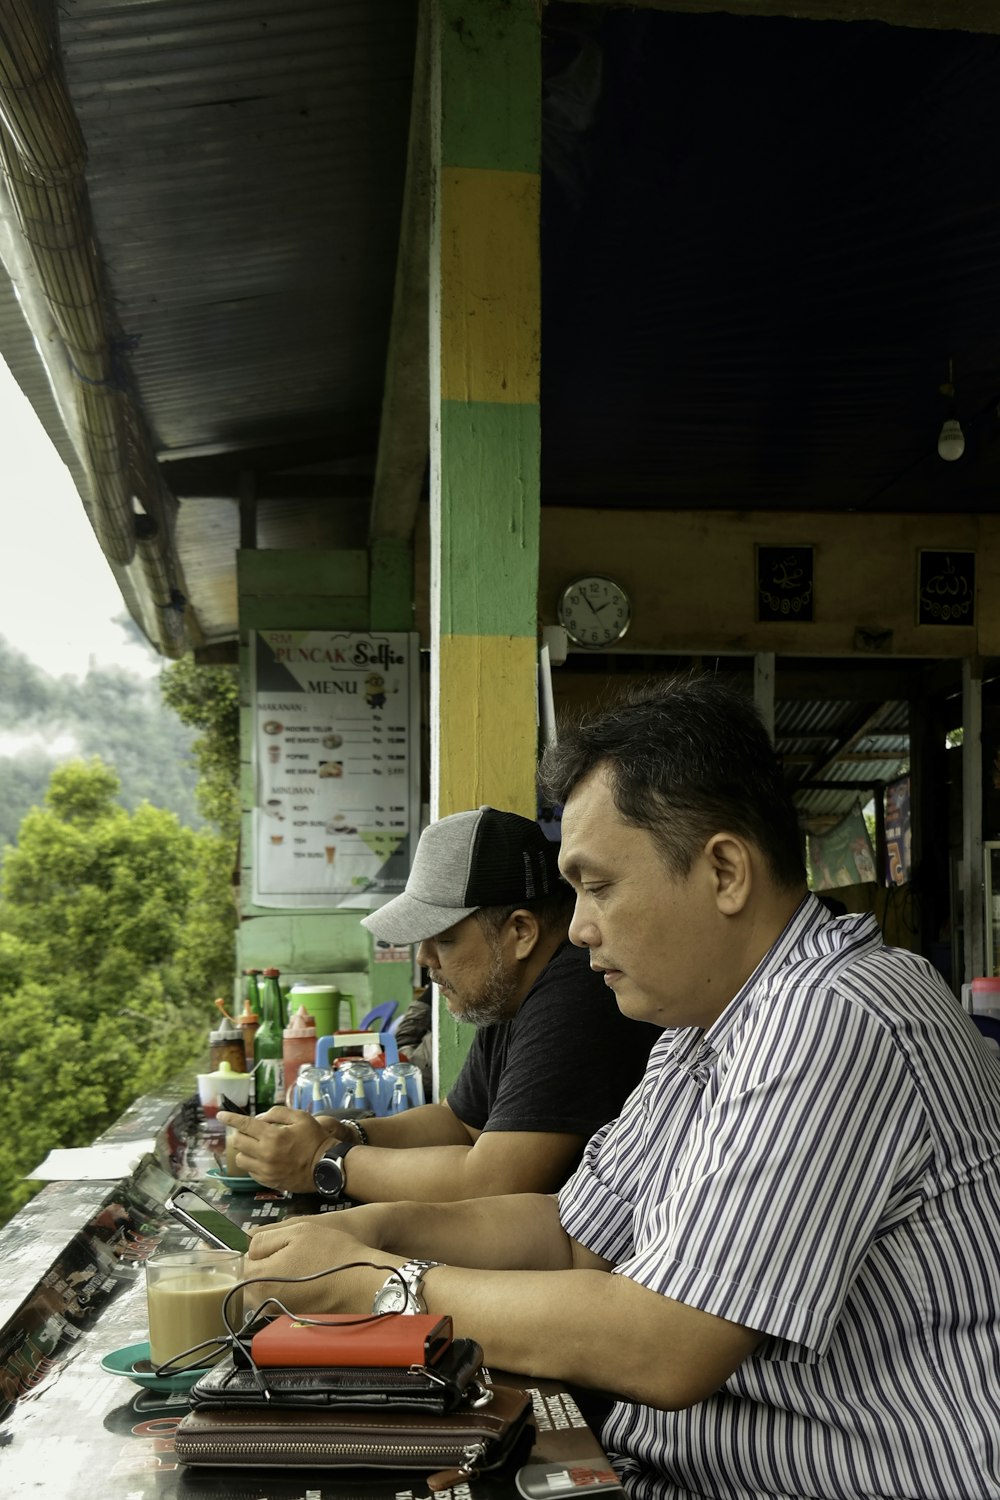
<point>207,1221</point>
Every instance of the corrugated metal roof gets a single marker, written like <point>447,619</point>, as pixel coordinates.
<point>830,739</point>
<point>245,169</point>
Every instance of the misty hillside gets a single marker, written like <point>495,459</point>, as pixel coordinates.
<point>111,713</point>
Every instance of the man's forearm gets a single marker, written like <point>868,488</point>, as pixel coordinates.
<point>434,1174</point>
<point>541,1303</point>
<point>430,1125</point>
<point>538,1301</point>
<point>419,1154</point>
<point>515,1232</point>
<point>593,1329</point>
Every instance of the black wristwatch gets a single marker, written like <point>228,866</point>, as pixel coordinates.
<point>329,1177</point>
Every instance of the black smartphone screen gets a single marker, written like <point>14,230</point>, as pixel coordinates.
<point>207,1220</point>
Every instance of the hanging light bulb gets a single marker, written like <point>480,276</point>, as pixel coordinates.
<point>951,438</point>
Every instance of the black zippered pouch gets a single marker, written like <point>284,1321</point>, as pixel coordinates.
<point>448,1448</point>
<point>440,1387</point>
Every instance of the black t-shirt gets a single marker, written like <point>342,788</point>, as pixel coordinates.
<point>565,1062</point>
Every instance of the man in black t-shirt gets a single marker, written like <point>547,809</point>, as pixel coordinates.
<point>552,1060</point>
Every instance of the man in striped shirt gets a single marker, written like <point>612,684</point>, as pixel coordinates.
<point>782,1256</point>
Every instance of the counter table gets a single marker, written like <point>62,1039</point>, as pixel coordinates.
<point>72,1291</point>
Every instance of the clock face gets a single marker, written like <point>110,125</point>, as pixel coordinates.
<point>594,611</point>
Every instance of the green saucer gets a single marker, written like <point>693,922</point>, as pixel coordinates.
<point>236,1184</point>
<point>122,1362</point>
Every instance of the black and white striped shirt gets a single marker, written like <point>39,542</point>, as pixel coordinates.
<point>822,1165</point>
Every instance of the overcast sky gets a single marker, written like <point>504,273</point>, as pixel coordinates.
<point>58,597</point>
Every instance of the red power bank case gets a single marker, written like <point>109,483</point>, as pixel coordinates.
<point>342,1339</point>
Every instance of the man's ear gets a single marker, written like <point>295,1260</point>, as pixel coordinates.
<point>525,931</point>
<point>732,870</point>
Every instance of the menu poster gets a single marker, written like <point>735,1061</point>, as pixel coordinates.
<point>336,766</point>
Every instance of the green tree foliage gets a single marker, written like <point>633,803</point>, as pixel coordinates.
<point>111,713</point>
<point>116,931</point>
<point>207,699</point>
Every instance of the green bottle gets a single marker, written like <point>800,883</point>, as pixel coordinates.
<point>269,1081</point>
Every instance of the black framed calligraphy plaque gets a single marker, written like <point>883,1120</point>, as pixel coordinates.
<point>784,583</point>
<point>946,588</point>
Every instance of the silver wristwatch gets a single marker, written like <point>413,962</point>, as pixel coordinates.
<point>395,1297</point>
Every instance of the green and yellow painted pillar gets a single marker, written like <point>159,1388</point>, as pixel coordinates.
<point>485,339</point>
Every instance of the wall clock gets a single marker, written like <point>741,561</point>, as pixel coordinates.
<point>594,611</point>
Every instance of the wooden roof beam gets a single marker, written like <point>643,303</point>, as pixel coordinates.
<point>404,433</point>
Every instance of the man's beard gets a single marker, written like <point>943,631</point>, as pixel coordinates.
<point>494,1000</point>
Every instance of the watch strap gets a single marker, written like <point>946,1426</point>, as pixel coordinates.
<point>335,1153</point>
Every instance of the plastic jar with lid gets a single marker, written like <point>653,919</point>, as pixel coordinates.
<point>225,1044</point>
<point>986,997</point>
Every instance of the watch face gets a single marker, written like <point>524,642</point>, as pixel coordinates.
<point>328,1173</point>
<point>390,1299</point>
<point>594,611</point>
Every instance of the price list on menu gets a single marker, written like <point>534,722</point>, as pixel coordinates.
<point>336,765</point>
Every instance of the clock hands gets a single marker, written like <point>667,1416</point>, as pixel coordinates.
<point>596,609</point>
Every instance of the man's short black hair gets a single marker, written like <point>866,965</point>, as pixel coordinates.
<point>686,757</point>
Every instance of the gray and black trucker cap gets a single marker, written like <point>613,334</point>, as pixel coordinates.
<point>472,859</point>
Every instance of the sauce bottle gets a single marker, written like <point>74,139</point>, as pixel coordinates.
<point>248,1023</point>
<point>298,1044</point>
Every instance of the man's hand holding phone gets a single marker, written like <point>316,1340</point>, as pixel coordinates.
<point>280,1147</point>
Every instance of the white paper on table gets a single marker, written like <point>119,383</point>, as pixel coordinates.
<point>91,1163</point>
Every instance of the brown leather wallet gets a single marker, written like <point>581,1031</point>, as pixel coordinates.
<point>448,1450</point>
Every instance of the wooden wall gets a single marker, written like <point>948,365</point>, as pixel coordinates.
<point>691,575</point>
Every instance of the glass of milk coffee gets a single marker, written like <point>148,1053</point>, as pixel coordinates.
<point>185,1290</point>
